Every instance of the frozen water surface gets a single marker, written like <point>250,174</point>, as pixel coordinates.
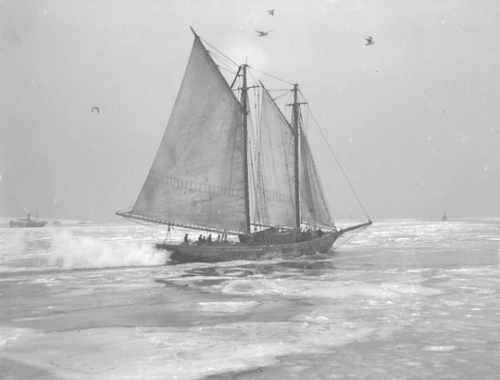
<point>404,300</point>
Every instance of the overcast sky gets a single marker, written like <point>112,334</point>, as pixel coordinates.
<point>414,119</point>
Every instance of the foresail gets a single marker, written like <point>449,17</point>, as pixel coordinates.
<point>275,182</point>
<point>313,205</point>
<point>197,176</point>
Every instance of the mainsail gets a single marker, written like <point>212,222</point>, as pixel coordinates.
<point>275,191</point>
<point>197,179</point>
<point>276,188</point>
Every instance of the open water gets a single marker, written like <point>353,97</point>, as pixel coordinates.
<point>406,299</point>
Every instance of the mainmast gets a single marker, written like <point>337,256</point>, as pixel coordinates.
<point>244,101</point>
<point>296,129</point>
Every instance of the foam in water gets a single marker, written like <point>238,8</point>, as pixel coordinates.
<point>498,255</point>
<point>71,252</point>
<point>17,244</point>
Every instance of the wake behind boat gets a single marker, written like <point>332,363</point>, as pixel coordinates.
<point>215,172</point>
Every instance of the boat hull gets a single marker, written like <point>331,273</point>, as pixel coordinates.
<point>27,223</point>
<point>233,251</point>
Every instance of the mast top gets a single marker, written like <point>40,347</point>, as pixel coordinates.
<point>192,30</point>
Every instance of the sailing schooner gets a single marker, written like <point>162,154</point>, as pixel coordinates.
<point>211,173</point>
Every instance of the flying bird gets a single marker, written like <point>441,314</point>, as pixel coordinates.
<point>369,41</point>
<point>271,12</point>
<point>95,108</point>
<point>263,34</point>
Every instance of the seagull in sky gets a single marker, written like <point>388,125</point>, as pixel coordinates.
<point>263,34</point>
<point>95,108</point>
<point>271,12</point>
<point>369,41</point>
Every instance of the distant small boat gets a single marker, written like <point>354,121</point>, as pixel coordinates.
<point>444,217</point>
<point>27,223</point>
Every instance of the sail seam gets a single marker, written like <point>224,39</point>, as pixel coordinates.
<point>199,187</point>
<point>275,196</point>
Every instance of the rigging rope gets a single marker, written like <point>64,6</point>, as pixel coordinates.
<point>228,61</point>
<point>147,224</point>
<point>282,95</point>
<point>269,75</point>
<point>222,55</point>
<point>230,71</point>
<point>347,238</point>
<point>336,159</point>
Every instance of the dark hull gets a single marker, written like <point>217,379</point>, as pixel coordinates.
<point>27,223</point>
<point>233,251</point>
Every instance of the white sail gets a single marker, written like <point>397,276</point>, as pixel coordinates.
<point>275,191</point>
<point>314,208</point>
<point>197,176</point>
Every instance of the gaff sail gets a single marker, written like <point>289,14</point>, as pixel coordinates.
<point>314,208</point>
<point>197,175</point>
<point>275,192</point>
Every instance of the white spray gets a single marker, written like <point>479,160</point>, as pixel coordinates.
<point>73,252</point>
